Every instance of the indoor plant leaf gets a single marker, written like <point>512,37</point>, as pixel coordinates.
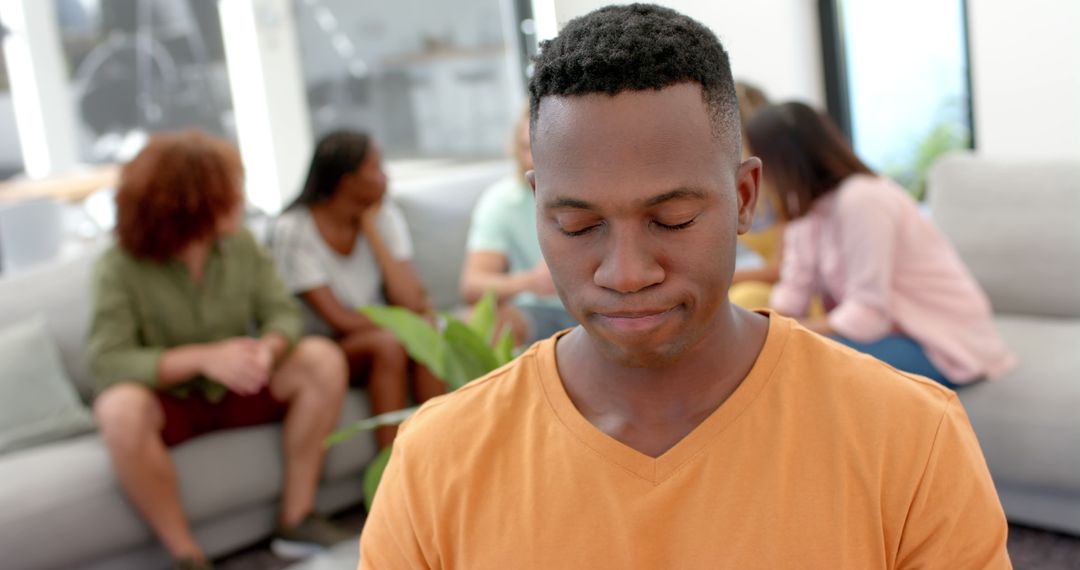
<point>468,355</point>
<point>419,337</point>
<point>373,474</point>
<point>504,347</point>
<point>388,419</point>
<point>482,319</point>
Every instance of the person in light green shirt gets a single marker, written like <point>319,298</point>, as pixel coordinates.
<point>504,253</point>
<point>193,331</point>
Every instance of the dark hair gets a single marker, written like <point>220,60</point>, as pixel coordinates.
<point>803,154</point>
<point>336,154</point>
<point>636,47</point>
<point>174,192</point>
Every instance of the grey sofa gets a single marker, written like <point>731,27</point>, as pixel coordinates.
<point>1017,226</point>
<point>61,505</point>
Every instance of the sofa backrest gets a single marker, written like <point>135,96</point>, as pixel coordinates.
<point>1017,226</point>
<point>438,212</point>
<point>60,291</point>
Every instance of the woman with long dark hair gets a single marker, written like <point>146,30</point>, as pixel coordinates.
<point>340,245</point>
<point>892,284</point>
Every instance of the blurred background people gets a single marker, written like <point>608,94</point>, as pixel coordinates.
<point>340,246</point>
<point>503,253</point>
<point>892,285</point>
<point>757,261</point>
<point>169,346</point>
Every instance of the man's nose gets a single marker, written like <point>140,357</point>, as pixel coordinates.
<point>628,265</point>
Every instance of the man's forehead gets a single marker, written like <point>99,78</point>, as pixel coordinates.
<point>648,118</point>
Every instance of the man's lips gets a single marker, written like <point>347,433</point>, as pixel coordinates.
<point>634,320</point>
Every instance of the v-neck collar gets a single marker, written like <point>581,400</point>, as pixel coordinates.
<point>657,470</point>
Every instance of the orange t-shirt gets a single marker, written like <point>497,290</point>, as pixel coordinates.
<point>821,458</point>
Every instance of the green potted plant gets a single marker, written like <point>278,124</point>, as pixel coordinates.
<point>455,351</point>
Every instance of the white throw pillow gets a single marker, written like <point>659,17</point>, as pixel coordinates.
<point>38,403</point>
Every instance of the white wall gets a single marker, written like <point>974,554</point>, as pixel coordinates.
<point>1025,59</point>
<point>772,43</point>
<point>268,97</point>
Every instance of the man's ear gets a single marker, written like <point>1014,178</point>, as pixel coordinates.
<point>747,188</point>
<point>531,177</point>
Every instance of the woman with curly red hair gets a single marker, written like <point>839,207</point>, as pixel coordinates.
<point>174,303</point>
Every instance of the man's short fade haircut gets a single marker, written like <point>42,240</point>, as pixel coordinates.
<point>636,47</point>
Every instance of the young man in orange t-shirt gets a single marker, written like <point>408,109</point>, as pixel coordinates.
<point>673,429</point>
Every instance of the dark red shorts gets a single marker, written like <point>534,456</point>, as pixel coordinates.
<point>188,417</point>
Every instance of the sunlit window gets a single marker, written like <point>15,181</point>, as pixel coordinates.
<point>429,79</point>
<point>143,66</point>
<point>900,75</point>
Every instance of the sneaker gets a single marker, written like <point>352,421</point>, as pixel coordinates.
<point>313,535</point>
<point>192,564</point>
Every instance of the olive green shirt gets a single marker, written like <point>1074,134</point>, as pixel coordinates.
<point>142,308</point>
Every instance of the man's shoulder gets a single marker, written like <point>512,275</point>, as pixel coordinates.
<point>477,410</point>
<point>838,377</point>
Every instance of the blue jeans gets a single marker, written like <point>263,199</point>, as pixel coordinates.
<point>902,353</point>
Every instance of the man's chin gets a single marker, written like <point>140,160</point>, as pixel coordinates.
<point>643,354</point>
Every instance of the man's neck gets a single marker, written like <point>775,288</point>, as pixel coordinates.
<point>652,409</point>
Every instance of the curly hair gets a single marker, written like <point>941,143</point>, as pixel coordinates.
<point>174,193</point>
<point>636,47</point>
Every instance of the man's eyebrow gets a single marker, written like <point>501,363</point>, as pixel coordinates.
<point>558,203</point>
<point>678,193</point>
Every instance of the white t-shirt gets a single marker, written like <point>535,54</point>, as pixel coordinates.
<point>307,262</point>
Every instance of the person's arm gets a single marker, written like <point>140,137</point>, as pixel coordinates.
<point>401,282</point>
<point>955,519</point>
<point>276,311</point>
<point>486,271</point>
<point>798,269</point>
<point>868,229</point>
<point>242,364</point>
<point>116,353</point>
<point>340,318</point>
<point>768,273</point>
<point>113,346</point>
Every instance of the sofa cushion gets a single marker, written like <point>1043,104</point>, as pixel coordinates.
<point>1026,421</point>
<point>68,489</point>
<point>61,293</point>
<point>438,211</point>
<point>1015,225</point>
<point>38,403</point>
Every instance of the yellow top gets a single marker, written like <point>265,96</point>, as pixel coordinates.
<point>822,458</point>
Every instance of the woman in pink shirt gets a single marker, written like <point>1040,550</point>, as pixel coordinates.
<point>892,285</point>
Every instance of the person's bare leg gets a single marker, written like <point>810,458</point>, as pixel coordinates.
<point>312,380</point>
<point>130,421</point>
<point>378,353</point>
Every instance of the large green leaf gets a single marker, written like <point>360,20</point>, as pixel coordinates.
<point>504,348</point>
<point>468,356</point>
<point>482,319</point>
<point>373,474</point>
<point>388,419</point>
<point>420,339</point>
